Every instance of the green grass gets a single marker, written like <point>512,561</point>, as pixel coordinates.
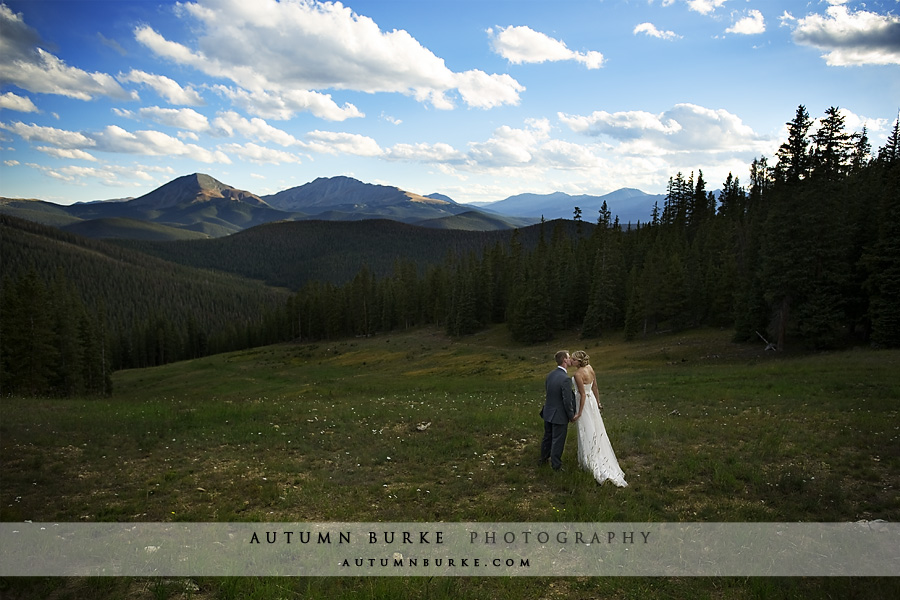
<point>705,430</point>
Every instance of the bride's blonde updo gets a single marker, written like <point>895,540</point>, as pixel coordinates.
<point>582,357</point>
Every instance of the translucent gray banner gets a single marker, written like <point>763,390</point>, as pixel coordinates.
<point>450,549</point>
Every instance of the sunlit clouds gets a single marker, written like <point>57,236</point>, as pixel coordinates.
<point>28,66</point>
<point>115,139</point>
<point>313,46</point>
<point>524,45</point>
<point>165,87</point>
<point>11,101</point>
<point>850,37</point>
<point>752,24</point>
<point>478,101</point>
<point>651,30</point>
<point>181,118</point>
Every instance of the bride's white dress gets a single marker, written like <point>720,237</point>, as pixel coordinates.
<point>595,451</point>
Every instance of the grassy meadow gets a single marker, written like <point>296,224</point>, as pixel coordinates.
<point>704,429</point>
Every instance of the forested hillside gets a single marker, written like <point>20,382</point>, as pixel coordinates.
<point>806,256</point>
<point>292,254</point>
<point>139,309</point>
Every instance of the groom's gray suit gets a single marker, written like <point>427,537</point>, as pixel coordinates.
<point>558,411</point>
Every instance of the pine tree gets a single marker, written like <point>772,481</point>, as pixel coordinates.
<point>831,156</point>
<point>807,246</point>
<point>862,151</point>
<point>701,206</point>
<point>882,260</point>
<point>68,316</point>
<point>532,317</point>
<point>361,303</point>
<point>465,303</point>
<point>606,304</point>
<point>761,179</point>
<point>635,311</point>
<point>732,200</point>
<point>679,195</point>
<point>751,312</point>
<point>29,353</point>
<point>890,153</point>
<point>794,155</point>
<point>435,296</point>
<point>603,221</point>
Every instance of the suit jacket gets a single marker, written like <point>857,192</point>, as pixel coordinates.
<point>559,407</point>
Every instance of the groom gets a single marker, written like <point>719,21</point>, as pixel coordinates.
<point>558,411</point>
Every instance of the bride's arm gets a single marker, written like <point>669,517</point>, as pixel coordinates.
<point>596,392</point>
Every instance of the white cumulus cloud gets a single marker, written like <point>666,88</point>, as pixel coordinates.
<point>754,23</point>
<point>651,30</point>
<point>152,143</point>
<point>427,153</point>
<point>510,146</point>
<point>181,118</point>
<point>683,128</point>
<point>26,65</point>
<point>166,87</point>
<point>117,140</point>
<point>11,101</point>
<point>851,37</point>
<point>261,155</point>
<point>310,46</point>
<point>59,138</point>
<point>705,7</point>
<point>521,44</point>
<point>332,142</point>
<point>285,104</point>
<point>230,123</point>
<point>481,90</point>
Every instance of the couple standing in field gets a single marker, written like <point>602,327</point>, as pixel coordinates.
<point>576,400</point>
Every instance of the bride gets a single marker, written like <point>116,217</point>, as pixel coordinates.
<point>595,452</point>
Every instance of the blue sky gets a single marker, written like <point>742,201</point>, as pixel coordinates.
<point>475,99</point>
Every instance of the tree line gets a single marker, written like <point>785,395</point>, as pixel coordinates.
<point>51,343</point>
<point>807,255</point>
<point>73,310</point>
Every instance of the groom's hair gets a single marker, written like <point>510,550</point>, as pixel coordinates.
<point>561,356</point>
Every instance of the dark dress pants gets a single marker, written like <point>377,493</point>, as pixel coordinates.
<point>553,443</point>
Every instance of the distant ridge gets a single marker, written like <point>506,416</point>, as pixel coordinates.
<point>629,204</point>
<point>334,192</point>
<point>198,205</point>
<point>346,198</point>
<point>443,197</point>
<point>472,220</point>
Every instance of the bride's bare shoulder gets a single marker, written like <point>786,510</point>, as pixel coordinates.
<point>585,375</point>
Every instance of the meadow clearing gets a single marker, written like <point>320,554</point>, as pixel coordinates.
<point>418,426</point>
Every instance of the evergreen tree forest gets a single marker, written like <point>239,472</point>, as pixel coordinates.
<point>73,310</point>
<point>805,256</point>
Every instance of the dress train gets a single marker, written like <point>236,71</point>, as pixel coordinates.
<point>595,452</point>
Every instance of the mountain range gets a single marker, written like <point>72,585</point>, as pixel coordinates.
<point>628,204</point>
<point>198,206</point>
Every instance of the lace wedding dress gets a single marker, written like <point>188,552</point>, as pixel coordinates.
<point>595,452</point>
